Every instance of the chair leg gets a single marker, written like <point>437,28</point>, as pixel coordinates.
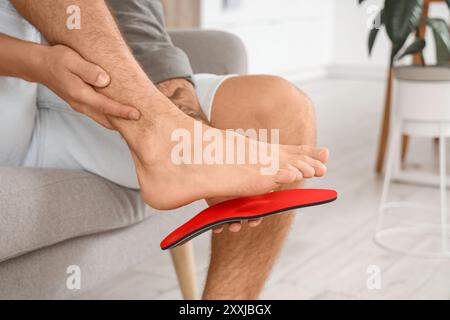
<point>184,263</point>
<point>394,145</point>
<point>443,187</point>
<point>405,147</point>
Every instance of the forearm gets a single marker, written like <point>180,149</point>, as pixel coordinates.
<point>98,41</point>
<point>19,59</point>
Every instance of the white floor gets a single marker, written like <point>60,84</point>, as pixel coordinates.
<point>330,247</point>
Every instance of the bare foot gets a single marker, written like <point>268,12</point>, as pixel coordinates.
<point>166,185</point>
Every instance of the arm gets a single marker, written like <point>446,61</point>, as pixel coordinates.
<point>100,42</point>
<point>142,25</point>
<point>21,60</point>
<point>63,71</point>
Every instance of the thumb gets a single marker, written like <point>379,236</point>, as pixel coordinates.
<point>91,73</point>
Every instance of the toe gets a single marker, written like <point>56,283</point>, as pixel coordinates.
<point>287,176</point>
<point>254,223</point>
<point>319,168</point>
<point>235,227</point>
<point>306,169</point>
<point>321,154</point>
<point>218,230</point>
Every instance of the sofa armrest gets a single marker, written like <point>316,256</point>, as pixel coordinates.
<point>211,51</point>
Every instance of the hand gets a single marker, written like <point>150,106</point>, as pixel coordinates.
<point>72,78</point>
<point>182,93</point>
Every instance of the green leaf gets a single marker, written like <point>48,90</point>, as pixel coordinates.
<point>417,46</point>
<point>441,36</point>
<point>401,18</point>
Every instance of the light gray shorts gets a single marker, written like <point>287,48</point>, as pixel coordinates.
<point>38,129</point>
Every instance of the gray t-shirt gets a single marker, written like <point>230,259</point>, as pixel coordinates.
<point>142,25</point>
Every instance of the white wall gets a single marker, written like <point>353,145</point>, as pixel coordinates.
<point>350,53</point>
<point>286,37</point>
<point>303,39</point>
<point>350,40</point>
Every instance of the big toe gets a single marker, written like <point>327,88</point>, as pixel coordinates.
<point>323,154</point>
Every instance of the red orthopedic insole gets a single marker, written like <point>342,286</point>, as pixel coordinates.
<point>247,208</point>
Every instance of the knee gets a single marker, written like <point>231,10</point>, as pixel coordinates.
<point>282,100</point>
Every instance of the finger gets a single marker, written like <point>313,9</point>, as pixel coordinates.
<point>96,116</point>
<point>254,223</point>
<point>235,227</point>
<point>89,72</point>
<point>108,106</point>
<point>218,230</point>
<point>102,120</point>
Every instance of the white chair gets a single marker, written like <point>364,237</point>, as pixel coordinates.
<point>421,107</point>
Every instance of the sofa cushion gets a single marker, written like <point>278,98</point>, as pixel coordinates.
<point>42,207</point>
<point>419,73</point>
<point>212,51</point>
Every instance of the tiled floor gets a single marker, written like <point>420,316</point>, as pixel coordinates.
<point>330,247</point>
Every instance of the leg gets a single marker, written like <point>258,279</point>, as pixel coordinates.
<point>184,263</point>
<point>241,262</point>
<point>150,139</point>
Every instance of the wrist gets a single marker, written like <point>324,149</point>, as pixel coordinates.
<point>35,63</point>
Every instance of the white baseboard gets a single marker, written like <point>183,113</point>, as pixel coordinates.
<point>337,71</point>
<point>305,74</point>
<point>357,72</point>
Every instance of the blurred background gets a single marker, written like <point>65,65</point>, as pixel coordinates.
<point>298,39</point>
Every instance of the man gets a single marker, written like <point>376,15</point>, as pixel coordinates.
<point>240,263</point>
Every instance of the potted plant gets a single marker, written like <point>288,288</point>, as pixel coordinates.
<point>402,18</point>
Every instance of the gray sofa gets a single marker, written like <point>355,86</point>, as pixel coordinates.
<point>51,219</point>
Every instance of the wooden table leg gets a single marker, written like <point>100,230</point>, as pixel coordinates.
<point>405,146</point>
<point>385,125</point>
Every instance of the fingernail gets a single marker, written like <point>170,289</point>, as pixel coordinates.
<point>102,79</point>
<point>134,115</point>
